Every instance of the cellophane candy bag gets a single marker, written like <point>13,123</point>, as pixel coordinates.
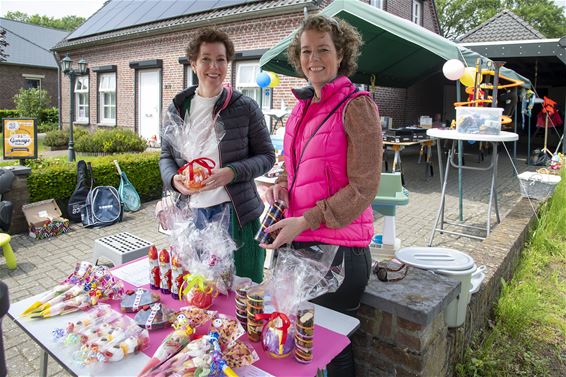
<point>194,142</point>
<point>206,251</point>
<point>298,276</point>
<point>102,335</point>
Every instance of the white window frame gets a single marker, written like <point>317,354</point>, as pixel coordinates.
<point>82,92</point>
<point>417,12</point>
<point>378,4</point>
<point>107,90</point>
<point>261,96</point>
<point>189,76</point>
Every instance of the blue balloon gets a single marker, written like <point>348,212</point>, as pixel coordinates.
<point>263,80</point>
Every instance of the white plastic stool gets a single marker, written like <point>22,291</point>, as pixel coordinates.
<point>120,248</point>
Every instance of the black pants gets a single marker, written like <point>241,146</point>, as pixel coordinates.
<point>346,299</point>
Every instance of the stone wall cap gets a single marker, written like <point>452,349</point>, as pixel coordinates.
<point>18,169</point>
<point>418,298</point>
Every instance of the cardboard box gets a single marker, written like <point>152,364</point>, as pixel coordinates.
<point>44,219</point>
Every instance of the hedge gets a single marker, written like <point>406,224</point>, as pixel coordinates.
<point>9,113</point>
<point>57,179</point>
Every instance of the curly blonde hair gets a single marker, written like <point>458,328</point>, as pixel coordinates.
<point>346,39</point>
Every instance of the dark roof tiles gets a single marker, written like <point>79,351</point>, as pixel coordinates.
<point>504,26</point>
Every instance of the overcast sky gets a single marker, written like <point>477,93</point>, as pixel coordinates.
<point>83,8</point>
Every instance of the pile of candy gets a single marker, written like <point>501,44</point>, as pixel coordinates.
<point>83,289</point>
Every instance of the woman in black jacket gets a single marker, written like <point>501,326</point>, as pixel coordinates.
<point>243,153</point>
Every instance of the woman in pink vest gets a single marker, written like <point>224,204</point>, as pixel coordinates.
<point>333,151</point>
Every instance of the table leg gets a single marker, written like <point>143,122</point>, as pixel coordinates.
<point>396,158</point>
<point>460,189</point>
<point>439,152</point>
<point>43,363</point>
<point>496,152</point>
<point>492,191</point>
<point>440,213</point>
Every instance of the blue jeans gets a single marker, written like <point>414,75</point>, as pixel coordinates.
<point>219,212</point>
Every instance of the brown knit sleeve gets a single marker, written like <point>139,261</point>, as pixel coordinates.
<point>365,152</point>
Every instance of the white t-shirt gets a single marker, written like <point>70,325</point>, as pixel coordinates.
<point>205,145</point>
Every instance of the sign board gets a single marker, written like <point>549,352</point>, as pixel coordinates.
<point>20,138</point>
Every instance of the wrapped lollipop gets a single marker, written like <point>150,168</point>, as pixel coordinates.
<point>298,276</point>
<point>80,274</point>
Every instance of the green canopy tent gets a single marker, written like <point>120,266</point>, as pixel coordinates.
<point>398,52</point>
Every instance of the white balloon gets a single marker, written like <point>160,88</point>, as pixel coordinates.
<point>453,69</point>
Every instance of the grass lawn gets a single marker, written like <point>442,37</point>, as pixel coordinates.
<point>528,334</point>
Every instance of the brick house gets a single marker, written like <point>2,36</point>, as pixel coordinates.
<point>137,60</point>
<point>29,63</point>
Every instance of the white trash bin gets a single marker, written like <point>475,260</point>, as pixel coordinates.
<point>451,263</point>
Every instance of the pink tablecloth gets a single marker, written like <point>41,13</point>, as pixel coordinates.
<point>327,343</point>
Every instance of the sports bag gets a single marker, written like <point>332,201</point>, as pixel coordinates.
<point>102,206</point>
<point>78,197</point>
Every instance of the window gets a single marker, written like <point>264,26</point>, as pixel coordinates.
<point>190,77</point>
<point>107,98</point>
<point>246,83</point>
<point>81,99</point>
<point>33,83</point>
<point>378,4</point>
<point>417,12</point>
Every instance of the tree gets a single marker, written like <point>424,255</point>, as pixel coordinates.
<point>3,45</point>
<point>68,23</point>
<point>457,17</point>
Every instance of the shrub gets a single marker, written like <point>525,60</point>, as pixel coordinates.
<point>57,178</point>
<point>31,102</point>
<point>49,115</point>
<point>117,140</point>
<point>44,127</point>
<point>57,138</point>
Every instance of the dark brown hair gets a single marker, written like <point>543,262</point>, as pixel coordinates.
<point>346,39</point>
<point>209,35</point>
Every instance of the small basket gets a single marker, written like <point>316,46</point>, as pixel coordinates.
<point>536,185</point>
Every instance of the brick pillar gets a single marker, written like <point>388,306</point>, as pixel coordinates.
<point>18,195</point>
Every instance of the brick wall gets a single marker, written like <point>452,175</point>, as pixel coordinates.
<point>169,47</point>
<point>11,80</point>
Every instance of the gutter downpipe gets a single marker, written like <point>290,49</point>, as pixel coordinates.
<point>60,126</point>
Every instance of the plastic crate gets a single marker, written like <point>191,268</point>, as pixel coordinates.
<point>537,186</point>
<point>120,248</point>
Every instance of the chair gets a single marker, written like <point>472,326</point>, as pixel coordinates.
<point>8,252</point>
<point>390,195</point>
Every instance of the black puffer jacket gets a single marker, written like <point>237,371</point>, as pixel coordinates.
<point>246,147</point>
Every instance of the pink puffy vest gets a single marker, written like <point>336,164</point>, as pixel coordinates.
<point>322,170</point>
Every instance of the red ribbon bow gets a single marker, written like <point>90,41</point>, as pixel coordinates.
<point>270,317</point>
<point>205,162</point>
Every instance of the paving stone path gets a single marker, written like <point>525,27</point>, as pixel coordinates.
<point>41,264</point>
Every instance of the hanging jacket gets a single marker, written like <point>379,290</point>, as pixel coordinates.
<point>322,170</point>
<point>246,147</point>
